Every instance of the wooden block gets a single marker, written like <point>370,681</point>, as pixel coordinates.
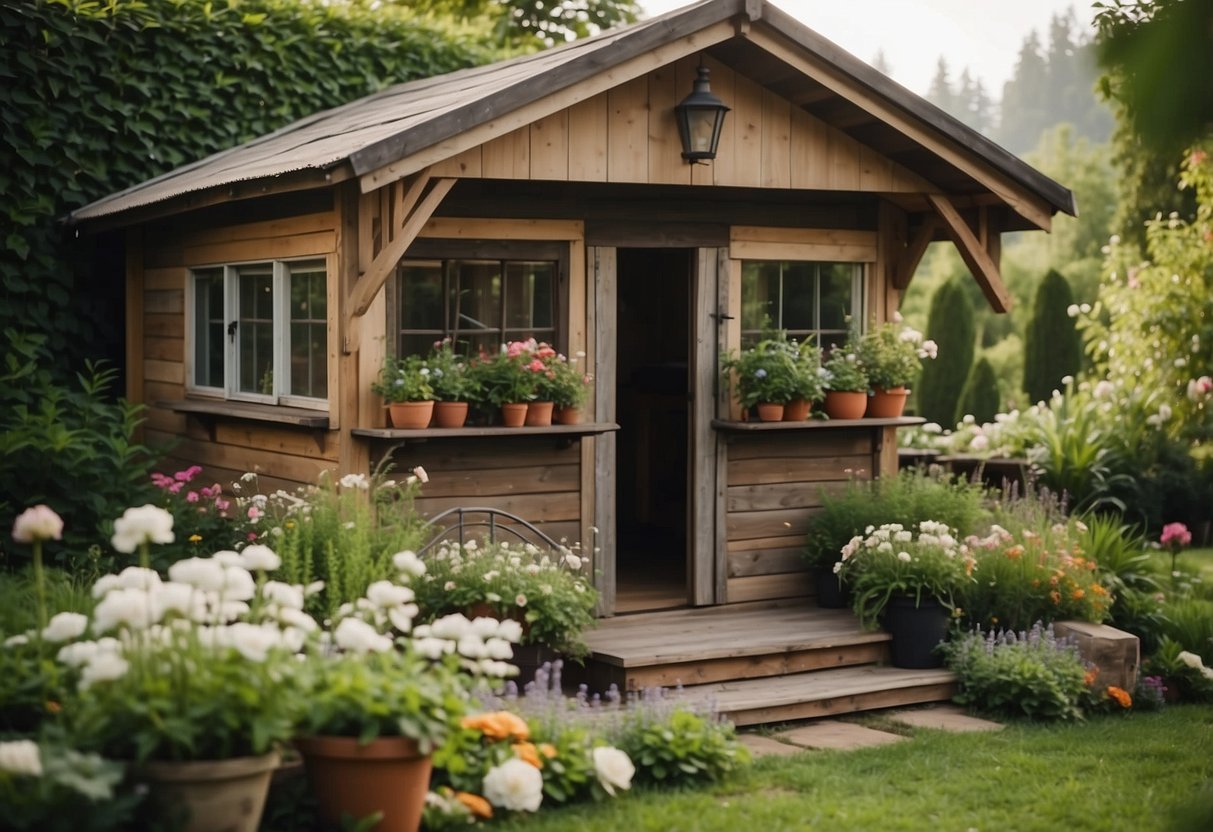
<point>1116,653</point>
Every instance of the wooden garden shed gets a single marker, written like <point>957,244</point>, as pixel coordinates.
<point>265,283</point>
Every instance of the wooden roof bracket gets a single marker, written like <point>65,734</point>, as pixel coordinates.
<point>417,212</point>
<point>975,255</point>
<point>911,255</point>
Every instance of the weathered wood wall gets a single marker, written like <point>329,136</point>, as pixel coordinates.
<point>629,134</point>
<point>775,484</point>
<point>287,455</point>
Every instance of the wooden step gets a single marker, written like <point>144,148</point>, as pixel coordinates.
<point>698,646</point>
<point>823,693</point>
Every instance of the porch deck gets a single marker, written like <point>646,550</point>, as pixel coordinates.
<point>760,662</point>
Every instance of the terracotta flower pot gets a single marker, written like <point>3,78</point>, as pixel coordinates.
<point>567,415</point>
<point>887,404</point>
<point>388,775</point>
<point>219,795</point>
<point>846,404</point>
<point>513,415</point>
<point>770,411</point>
<point>539,414</point>
<point>411,415</point>
<point>450,414</point>
<point>797,410</point>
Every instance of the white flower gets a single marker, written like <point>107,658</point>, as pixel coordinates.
<point>514,785</point>
<point>238,584</point>
<point>501,670</point>
<point>614,768</point>
<point>203,573</point>
<point>37,523</point>
<point>137,577</point>
<point>126,607</point>
<point>929,349</point>
<point>520,600</point>
<point>259,558</point>
<point>837,567</point>
<point>499,648</point>
<point>289,596</point>
<point>1072,310</point>
<point>297,619</point>
<point>510,630</point>
<point>409,563</point>
<point>484,626</point>
<point>452,627</point>
<point>357,636</point>
<point>433,648</point>
<point>385,594</point>
<point>251,641</point>
<point>1104,389</point>
<point>105,666</point>
<point>227,557</point>
<point>980,442</point>
<point>421,474</point>
<point>65,626</point>
<point>21,756</point>
<point>402,616</point>
<point>146,524</point>
<point>572,561</point>
<point>354,481</point>
<point>472,646</point>
<point>904,557</point>
<point>104,584</point>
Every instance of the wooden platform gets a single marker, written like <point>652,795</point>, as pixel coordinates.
<point>760,662</point>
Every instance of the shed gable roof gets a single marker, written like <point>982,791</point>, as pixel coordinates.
<point>377,132</point>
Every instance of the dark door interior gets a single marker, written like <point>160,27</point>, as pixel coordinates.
<point>652,347</point>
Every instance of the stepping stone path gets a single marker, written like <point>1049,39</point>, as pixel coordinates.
<point>845,736</point>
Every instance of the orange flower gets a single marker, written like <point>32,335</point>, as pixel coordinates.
<point>527,752</point>
<point>1056,596</point>
<point>1089,679</point>
<point>1121,696</point>
<point>477,805</point>
<point>1015,552</point>
<point>1077,594</point>
<point>548,750</point>
<point>53,707</point>
<point>1098,589</point>
<point>499,725</point>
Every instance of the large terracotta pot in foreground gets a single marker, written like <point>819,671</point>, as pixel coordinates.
<point>388,775</point>
<point>219,795</point>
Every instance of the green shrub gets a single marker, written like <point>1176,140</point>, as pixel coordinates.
<point>980,397</point>
<point>1189,621</point>
<point>681,749</point>
<point>1190,681</point>
<point>1052,348</point>
<point>69,446</point>
<point>1029,673</point>
<point>951,326</point>
<point>909,497</point>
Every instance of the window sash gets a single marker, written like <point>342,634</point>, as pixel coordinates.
<point>776,302</point>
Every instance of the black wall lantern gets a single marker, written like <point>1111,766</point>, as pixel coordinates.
<point>700,117</point>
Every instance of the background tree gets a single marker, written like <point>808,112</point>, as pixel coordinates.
<point>542,22</point>
<point>1052,347</point>
<point>979,398</point>
<point>950,325</point>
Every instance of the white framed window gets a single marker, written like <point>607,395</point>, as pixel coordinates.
<point>258,332</point>
<point>808,299</point>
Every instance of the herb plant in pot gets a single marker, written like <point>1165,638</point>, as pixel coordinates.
<point>907,581</point>
<point>764,377</point>
<point>807,385</point>
<point>454,385</point>
<point>569,389</point>
<point>404,384</point>
<point>892,355</point>
<point>846,384</point>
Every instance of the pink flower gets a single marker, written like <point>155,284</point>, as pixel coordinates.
<point>545,351</point>
<point>176,487</point>
<point>191,497</point>
<point>252,536</point>
<point>188,474</point>
<point>1175,536</point>
<point>161,480</point>
<point>536,366</point>
<point>253,512</point>
<point>223,505</point>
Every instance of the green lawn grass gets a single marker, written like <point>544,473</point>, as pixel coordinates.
<point>1137,772</point>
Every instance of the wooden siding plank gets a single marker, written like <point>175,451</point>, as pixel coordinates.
<point>286,466</point>
<point>467,164</point>
<point>875,170</point>
<point>534,508</point>
<point>160,326</point>
<point>164,349</point>
<point>767,562</point>
<point>747,135</point>
<point>628,132</point>
<point>666,164</point>
<point>320,444</point>
<point>809,151</point>
<point>316,244</point>
<point>487,454</point>
<point>727,294</point>
<point>796,444</point>
<point>744,525</point>
<point>531,479</point>
<point>588,139</point>
<point>137,325</point>
<point>164,279</point>
<point>800,251</point>
<point>769,587</point>
<point>168,371</point>
<point>508,156</point>
<point>843,161</point>
<point>702,474</point>
<point>285,227</point>
<point>758,544</point>
<point>503,229</point>
<point>782,495</point>
<point>776,141</point>
<point>550,147</point>
<point>760,471</point>
<point>165,302</point>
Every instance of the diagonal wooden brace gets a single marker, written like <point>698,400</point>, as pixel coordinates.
<point>974,254</point>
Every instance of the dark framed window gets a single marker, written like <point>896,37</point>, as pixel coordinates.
<point>810,300</point>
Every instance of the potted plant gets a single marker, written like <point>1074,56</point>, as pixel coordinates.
<point>807,384</point>
<point>192,680</point>
<point>542,363</point>
<point>453,383</point>
<point>892,355</point>
<point>846,384</point>
<point>907,580</point>
<point>569,388</point>
<point>764,377</point>
<point>404,384</point>
<point>507,382</point>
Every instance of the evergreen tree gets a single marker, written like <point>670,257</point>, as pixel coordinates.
<point>1023,97</point>
<point>951,326</point>
<point>979,398</point>
<point>881,63</point>
<point>940,93</point>
<point>1052,348</point>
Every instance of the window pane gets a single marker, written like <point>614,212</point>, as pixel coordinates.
<point>255,340</point>
<point>308,331</point>
<point>837,295</point>
<point>475,298</point>
<point>799,301</point>
<point>528,295</point>
<point>759,296</point>
<point>421,296</point>
<point>209,328</point>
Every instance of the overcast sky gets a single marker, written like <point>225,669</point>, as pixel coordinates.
<point>984,35</point>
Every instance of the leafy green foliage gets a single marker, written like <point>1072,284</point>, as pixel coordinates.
<point>76,792</point>
<point>91,105</point>
<point>1052,348</point>
<point>684,748</point>
<point>534,22</point>
<point>950,325</point>
<point>67,445</point>
<point>979,398</point>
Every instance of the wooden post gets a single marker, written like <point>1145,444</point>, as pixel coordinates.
<point>701,474</point>
<point>353,244</point>
<point>604,293</point>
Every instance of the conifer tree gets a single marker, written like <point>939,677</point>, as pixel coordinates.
<point>979,398</point>
<point>1052,348</point>
<point>951,326</point>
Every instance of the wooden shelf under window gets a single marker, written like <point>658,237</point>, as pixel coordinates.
<point>728,426</point>
<point>208,411</point>
<point>565,432</point>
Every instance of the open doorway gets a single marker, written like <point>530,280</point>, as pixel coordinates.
<point>651,395</point>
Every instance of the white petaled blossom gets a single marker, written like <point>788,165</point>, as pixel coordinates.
<point>259,558</point>
<point>432,648</point>
<point>499,648</point>
<point>510,630</point>
<point>297,619</point>
<point>251,641</point>
<point>202,573</point>
<point>483,626</point>
<point>472,646</point>
<point>104,584</point>
<point>127,607</point>
<point>904,556</point>
<point>385,594</point>
<point>103,667</point>
<point>65,626</point>
<point>227,557</point>
<point>288,596</point>
<point>138,577</point>
<point>420,474</point>
<point>145,524</point>
<point>452,627</point>
<point>614,769</point>
<point>514,785</point>
<point>37,523</point>
<point>408,563</point>
<point>497,669</point>
<point>238,584</point>
<point>173,597</point>
<point>354,481</point>
<point>356,636</point>
<point>21,757</point>
<point>402,616</point>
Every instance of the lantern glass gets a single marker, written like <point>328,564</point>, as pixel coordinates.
<point>700,119</point>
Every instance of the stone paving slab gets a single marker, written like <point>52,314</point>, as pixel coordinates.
<point>944,717</point>
<point>829,733</point>
<point>762,746</point>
